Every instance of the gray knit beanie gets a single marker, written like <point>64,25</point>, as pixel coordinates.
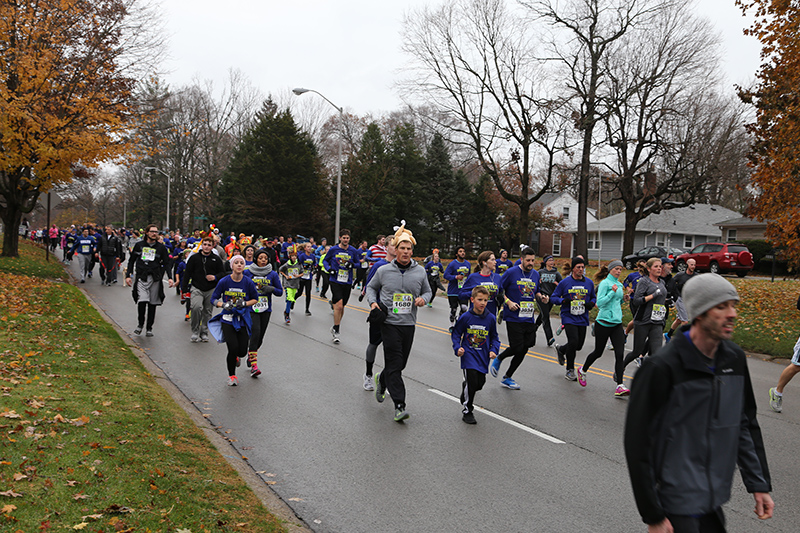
<point>704,291</point>
<point>614,264</point>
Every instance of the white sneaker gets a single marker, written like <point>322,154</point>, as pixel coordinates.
<point>335,335</point>
<point>368,384</point>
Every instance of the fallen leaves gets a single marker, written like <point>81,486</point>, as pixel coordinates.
<point>11,494</point>
<point>8,509</point>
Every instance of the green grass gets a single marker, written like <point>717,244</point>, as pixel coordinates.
<point>31,262</point>
<point>88,439</point>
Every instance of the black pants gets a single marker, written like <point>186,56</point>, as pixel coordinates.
<point>151,314</point>
<point>109,264</point>
<point>325,282</point>
<point>576,336</point>
<point>258,329</point>
<point>544,319</point>
<point>601,335</point>
<point>305,286</point>
<point>713,522</point>
<point>361,276</point>
<point>521,336</point>
<point>646,335</point>
<point>237,342</point>
<point>457,307</point>
<point>474,381</point>
<point>397,341</point>
<point>435,284</point>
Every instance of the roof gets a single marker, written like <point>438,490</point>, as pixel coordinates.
<point>548,198</point>
<point>697,219</point>
<point>742,222</point>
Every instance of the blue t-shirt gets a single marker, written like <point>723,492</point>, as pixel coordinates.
<point>491,282</point>
<point>339,263</point>
<point>477,334</point>
<point>576,297</point>
<point>520,287</point>
<point>501,265</point>
<point>454,268</point>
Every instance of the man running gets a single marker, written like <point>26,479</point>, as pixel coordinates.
<point>203,271</point>
<point>455,274</point>
<point>110,253</point>
<point>678,281</point>
<point>85,246</point>
<point>339,262</point>
<point>146,266</point>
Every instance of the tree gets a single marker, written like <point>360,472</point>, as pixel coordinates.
<point>777,126</point>
<point>475,65</point>
<point>67,71</point>
<point>273,182</point>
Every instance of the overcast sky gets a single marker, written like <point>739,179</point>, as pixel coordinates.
<point>349,50</point>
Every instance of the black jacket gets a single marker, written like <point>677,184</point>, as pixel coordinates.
<point>110,245</point>
<point>687,428</point>
<point>197,267</point>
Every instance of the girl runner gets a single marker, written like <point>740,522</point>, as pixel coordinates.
<point>268,282</point>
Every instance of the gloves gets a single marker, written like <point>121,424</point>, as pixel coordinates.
<point>228,306</point>
<point>266,290</point>
<point>239,303</point>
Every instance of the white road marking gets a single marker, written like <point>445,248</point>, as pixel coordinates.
<point>532,431</point>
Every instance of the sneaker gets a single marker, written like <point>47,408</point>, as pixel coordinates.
<point>638,361</point>
<point>609,346</point>
<point>469,418</point>
<point>232,381</point>
<point>238,362</point>
<point>494,367</point>
<point>561,358</point>
<point>286,318</point>
<point>335,335</point>
<point>775,401</point>
<point>570,375</point>
<point>149,333</point>
<point>308,313</point>
<point>429,304</point>
<point>551,341</point>
<point>203,337</point>
<point>581,376</point>
<point>83,281</point>
<point>186,317</point>
<point>559,329</point>
<point>138,330</point>
<point>510,383</point>
<point>195,337</point>
<point>621,391</point>
<point>666,338</point>
<point>380,392</point>
<point>254,371</point>
<point>368,385</point>
<point>401,414</point>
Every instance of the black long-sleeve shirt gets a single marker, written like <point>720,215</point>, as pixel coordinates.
<point>198,267</point>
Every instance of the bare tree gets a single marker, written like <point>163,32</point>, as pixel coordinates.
<point>475,64</point>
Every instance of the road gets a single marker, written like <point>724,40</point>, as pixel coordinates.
<point>548,457</point>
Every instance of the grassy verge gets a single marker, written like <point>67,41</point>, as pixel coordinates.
<point>88,440</point>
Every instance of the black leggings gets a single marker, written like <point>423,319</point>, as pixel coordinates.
<point>325,282</point>
<point>576,336</point>
<point>237,341</point>
<point>435,284</point>
<point>521,336</point>
<point>397,341</point>
<point>260,323</point>
<point>151,314</point>
<point>645,336</point>
<point>474,380</point>
<point>305,285</point>
<point>544,319</point>
<point>601,335</point>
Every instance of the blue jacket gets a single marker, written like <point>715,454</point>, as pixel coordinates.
<point>227,290</point>
<point>576,297</point>
<point>84,245</point>
<point>521,288</point>
<point>271,278</point>
<point>477,334</point>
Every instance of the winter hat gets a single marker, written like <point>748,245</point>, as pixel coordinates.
<point>704,291</point>
<point>614,264</point>
<point>577,261</point>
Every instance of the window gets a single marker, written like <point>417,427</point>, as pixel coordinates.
<point>565,213</point>
<point>557,243</point>
<point>594,241</point>
<point>661,239</point>
<point>688,241</point>
<point>731,235</point>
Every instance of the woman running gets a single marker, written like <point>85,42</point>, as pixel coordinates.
<point>651,313</point>
<point>268,282</point>
<point>549,276</point>
<point>484,274</point>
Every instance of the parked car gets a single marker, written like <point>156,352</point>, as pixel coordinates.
<point>719,258</point>
<point>649,252</point>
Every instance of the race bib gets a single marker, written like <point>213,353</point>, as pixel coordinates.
<point>461,283</point>
<point>261,305</point>
<point>659,313</point>
<point>148,254</point>
<point>85,248</point>
<point>307,274</point>
<point>227,317</point>
<point>577,307</point>
<point>294,272</point>
<point>526,309</point>
<point>343,276</point>
<point>401,303</point>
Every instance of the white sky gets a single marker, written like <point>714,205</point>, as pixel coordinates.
<point>349,50</point>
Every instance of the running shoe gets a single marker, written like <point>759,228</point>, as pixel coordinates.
<point>232,381</point>
<point>238,362</point>
<point>195,337</point>
<point>83,281</point>
<point>666,338</point>
<point>638,361</point>
<point>186,317</point>
<point>368,385</point>
<point>308,313</point>
<point>380,392</point>
<point>570,375</point>
<point>494,367</point>
<point>254,371</point>
<point>561,358</point>
<point>581,376</point>
<point>149,333</point>
<point>335,335</point>
<point>609,346</point>
<point>429,304</point>
<point>203,337</point>
<point>775,400</point>
<point>401,414</point>
<point>621,391</point>
<point>551,341</point>
<point>138,330</point>
<point>286,318</point>
<point>510,383</point>
<point>469,418</point>
<point>559,329</point>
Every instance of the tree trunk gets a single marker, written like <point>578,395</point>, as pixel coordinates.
<point>524,222</point>
<point>629,235</point>
<point>12,218</point>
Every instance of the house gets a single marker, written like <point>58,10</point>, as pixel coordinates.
<point>558,242</point>
<point>682,228</point>
<point>741,228</point>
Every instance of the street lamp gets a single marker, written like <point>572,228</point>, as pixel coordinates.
<point>298,91</point>
<point>156,169</point>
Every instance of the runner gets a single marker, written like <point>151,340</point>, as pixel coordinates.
<point>404,283</point>
<point>339,262</point>
<point>520,284</point>
<point>362,266</point>
<point>575,294</point>
<point>319,254</point>
<point>306,259</point>
<point>377,251</point>
<point>680,279</point>
<point>484,275</point>
<point>110,254</point>
<point>608,324</point>
<point>503,263</point>
<point>374,326</point>
<point>630,285</point>
<point>203,271</point>
<point>455,274</point>
<point>434,270</point>
<point>651,313</point>
<point>475,342</point>
<point>235,294</point>
<point>549,277</point>
<point>186,297</point>
<point>268,283</point>
<point>146,267</point>
<point>291,271</point>
<point>86,247</point>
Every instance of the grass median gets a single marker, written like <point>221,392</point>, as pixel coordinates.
<point>88,439</point>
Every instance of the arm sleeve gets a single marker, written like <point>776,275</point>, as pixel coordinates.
<point>752,458</point>
<point>373,288</point>
<point>217,293</point>
<point>450,271</point>
<point>557,296</point>
<point>465,291</point>
<point>457,333</point>
<point>276,282</point>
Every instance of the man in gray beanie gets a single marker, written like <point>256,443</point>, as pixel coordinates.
<point>692,410</point>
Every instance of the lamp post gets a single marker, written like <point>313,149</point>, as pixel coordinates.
<point>156,169</point>
<point>298,91</point>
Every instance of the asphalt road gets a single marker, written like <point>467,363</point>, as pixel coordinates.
<point>548,457</point>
